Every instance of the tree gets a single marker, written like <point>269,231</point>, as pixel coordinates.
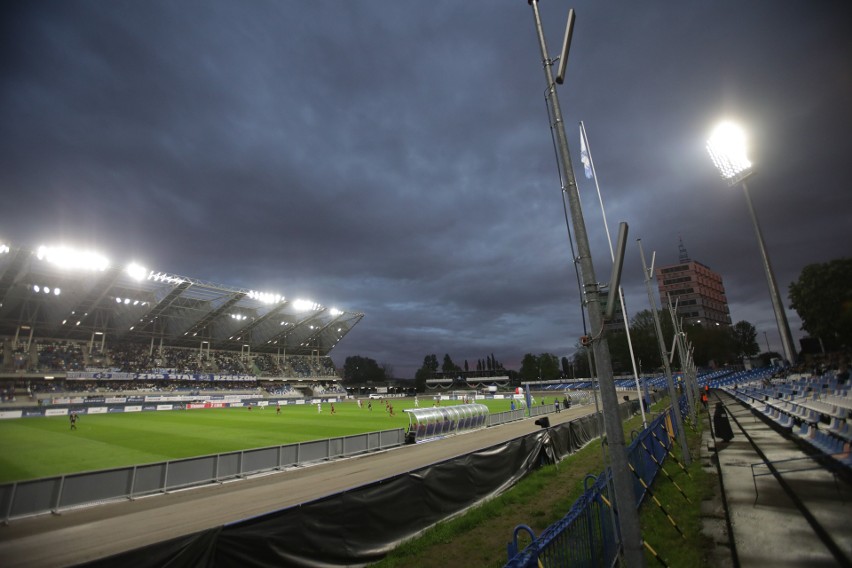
<point>643,333</point>
<point>362,369</point>
<point>543,367</point>
<point>713,344</point>
<point>448,368</point>
<point>744,337</point>
<point>427,371</point>
<point>581,362</point>
<point>822,296</point>
<point>549,364</point>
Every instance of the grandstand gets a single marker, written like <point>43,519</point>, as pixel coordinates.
<point>74,316</point>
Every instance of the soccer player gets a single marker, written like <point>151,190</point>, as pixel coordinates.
<point>73,418</point>
<point>332,408</point>
<point>278,408</point>
<point>319,408</point>
<point>416,402</point>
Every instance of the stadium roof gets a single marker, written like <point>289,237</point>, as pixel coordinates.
<point>64,294</point>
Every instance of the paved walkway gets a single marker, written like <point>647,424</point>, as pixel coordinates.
<point>770,528</point>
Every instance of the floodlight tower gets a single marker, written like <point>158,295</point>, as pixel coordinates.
<point>622,477</point>
<point>727,148</point>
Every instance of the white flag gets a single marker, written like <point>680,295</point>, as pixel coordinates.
<point>584,155</point>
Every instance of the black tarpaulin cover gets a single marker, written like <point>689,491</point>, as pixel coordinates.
<point>362,525</point>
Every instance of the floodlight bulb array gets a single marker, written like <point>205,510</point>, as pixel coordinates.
<point>727,149</point>
<point>305,305</point>
<point>265,297</point>
<point>72,259</point>
<point>136,271</point>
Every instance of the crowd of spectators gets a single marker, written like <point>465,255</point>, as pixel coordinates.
<point>66,356</point>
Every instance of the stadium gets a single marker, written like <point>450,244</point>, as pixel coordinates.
<point>209,427</point>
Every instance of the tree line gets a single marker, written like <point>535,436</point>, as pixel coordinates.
<point>822,296</point>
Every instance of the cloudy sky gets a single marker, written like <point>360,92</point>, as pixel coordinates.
<point>395,158</point>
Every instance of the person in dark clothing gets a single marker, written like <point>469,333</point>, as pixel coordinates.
<point>721,424</point>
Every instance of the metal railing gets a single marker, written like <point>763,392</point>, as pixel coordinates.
<point>587,535</point>
<point>53,494</point>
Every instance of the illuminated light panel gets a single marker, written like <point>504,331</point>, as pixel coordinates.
<point>335,312</point>
<point>305,305</point>
<point>728,150</point>
<point>136,271</point>
<point>65,257</point>
<point>265,297</point>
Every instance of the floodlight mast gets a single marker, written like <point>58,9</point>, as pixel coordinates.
<point>622,477</point>
<point>727,149</point>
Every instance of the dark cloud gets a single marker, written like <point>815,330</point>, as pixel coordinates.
<point>396,159</point>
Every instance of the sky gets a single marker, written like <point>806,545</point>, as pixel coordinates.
<point>395,158</point>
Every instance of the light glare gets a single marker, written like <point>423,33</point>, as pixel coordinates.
<point>728,150</point>
<point>136,271</point>
<point>68,258</point>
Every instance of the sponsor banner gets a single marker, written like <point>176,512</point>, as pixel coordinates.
<point>64,400</point>
<point>116,409</point>
<point>97,410</point>
<point>165,406</point>
<point>95,400</point>
<point>148,407</point>
<point>29,412</point>
<point>77,400</point>
<point>10,414</point>
<point>133,409</point>
<point>300,401</point>
<point>206,405</point>
<point>54,412</point>
<point>98,376</point>
<point>115,399</point>
<point>135,399</point>
<point>263,403</point>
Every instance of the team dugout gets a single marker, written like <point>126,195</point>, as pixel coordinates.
<point>425,423</point>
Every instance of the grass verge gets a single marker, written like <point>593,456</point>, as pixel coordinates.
<point>480,537</point>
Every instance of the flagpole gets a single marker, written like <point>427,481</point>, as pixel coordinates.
<point>588,155</point>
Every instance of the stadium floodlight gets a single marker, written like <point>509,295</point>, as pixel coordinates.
<point>68,258</point>
<point>56,291</point>
<point>4,248</point>
<point>305,305</point>
<point>36,288</point>
<point>265,297</point>
<point>728,150</point>
<point>136,271</point>
<point>335,312</point>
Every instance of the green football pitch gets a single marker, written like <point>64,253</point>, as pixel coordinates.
<point>31,448</point>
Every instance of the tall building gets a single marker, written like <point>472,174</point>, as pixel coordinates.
<point>697,291</point>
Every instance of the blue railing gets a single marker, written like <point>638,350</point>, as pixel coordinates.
<point>587,535</point>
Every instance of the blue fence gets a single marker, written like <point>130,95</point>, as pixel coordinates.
<point>588,534</point>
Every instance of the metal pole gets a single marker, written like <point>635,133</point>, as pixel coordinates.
<point>625,496</point>
<point>620,290</point>
<point>681,433</point>
<point>777,305</point>
<point>688,387</point>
